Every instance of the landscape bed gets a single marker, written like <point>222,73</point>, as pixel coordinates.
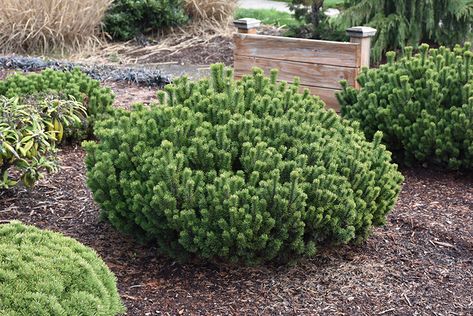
<point>420,262</point>
<point>224,197</point>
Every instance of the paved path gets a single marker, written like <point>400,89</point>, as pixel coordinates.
<point>264,4</point>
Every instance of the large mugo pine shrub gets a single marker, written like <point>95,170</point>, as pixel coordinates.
<point>245,171</point>
<point>46,273</point>
<point>423,104</point>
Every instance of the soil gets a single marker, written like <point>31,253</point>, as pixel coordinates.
<point>217,50</point>
<point>127,94</point>
<point>420,263</point>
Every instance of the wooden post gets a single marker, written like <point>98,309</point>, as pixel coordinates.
<point>362,35</point>
<point>247,25</point>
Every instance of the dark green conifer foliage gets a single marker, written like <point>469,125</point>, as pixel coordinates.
<point>411,22</point>
<point>243,171</point>
<point>423,104</point>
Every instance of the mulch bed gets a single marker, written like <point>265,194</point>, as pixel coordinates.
<point>127,94</point>
<point>420,263</point>
<point>217,50</point>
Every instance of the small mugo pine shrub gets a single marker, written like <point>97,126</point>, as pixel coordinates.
<point>46,273</point>
<point>423,104</point>
<point>62,85</point>
<point>246,171</point>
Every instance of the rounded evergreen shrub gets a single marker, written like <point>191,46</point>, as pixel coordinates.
<point>46,273</point>
<point>65,85</point>
<point>126,19</point>
<point>423,104</point>
<point>242,171</point>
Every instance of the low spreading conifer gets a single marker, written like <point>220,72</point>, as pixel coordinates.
<point>245,171</point>
<point>423,104</point>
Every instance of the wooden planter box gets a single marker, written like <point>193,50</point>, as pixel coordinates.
<point>320,65</point>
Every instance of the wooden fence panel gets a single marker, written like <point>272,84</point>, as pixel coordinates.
<point>296,49</point>
<point>324,76</point>
<point>320,65</point>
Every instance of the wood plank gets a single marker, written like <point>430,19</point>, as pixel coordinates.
<point>325,76</point>
<point>365,49</point>
<point>326,94</point>
<point>297,49</point>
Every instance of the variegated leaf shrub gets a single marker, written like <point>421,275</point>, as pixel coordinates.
<point>38,111</point>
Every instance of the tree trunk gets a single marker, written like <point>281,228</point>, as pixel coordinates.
<point>315,12</point>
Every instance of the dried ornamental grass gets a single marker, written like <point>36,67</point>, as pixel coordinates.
<point>49,26</point>
<point>215,10</point>
<point>211,19</point>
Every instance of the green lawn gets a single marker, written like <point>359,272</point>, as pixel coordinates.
<point>267,16</point>
<point>333,3</point>
<point>327,3</point>
<point>277,18</point>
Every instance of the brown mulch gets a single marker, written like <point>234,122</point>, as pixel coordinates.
<point>5,73</point>
<point>217,50</point>
<point>420,263</point>
<point>127,94</point>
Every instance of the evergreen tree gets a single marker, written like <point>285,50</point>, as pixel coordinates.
<point>411,22</point>
<point>314,23</point>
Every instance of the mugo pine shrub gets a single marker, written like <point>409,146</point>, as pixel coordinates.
<point>242,171</point>
<point>423,104</point>
<point>46,273</point>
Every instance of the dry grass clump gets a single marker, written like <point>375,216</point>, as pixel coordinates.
<point>216,10</point>
<point>50,26</point>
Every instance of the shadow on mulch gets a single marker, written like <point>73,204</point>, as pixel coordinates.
<point>420,263</point>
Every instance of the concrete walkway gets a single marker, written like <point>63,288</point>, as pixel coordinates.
<point>264,4</point>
